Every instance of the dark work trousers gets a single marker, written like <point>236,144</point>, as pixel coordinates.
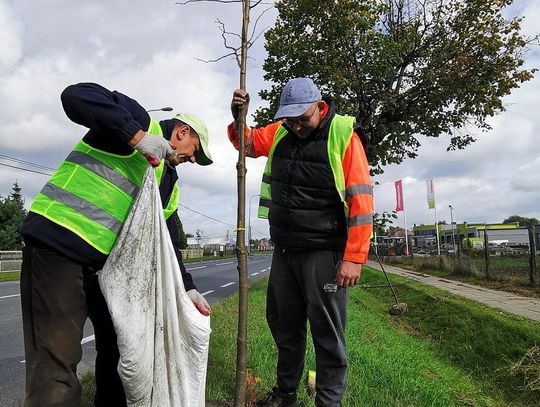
<point>57,295</point>
<point>296,294</point>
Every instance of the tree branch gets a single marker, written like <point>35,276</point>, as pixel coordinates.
<point>235,51</point>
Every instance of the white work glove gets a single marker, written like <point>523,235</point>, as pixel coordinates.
<point>154,148</point>
<point>200,303</point>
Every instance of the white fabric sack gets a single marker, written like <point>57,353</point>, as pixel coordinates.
<point>162,338</point>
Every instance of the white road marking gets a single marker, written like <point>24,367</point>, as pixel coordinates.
<point>222,264</point>
<point>10,296</point>
<point>88,339</point>
<point>254,274</point>
<point>226,285</point>
<point>207,292</point>
<point>195,268</point>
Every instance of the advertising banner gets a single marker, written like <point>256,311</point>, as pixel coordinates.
<point>430,193</point>
<point>399,196</point>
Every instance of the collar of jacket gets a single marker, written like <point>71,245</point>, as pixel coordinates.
<point>167,126</point>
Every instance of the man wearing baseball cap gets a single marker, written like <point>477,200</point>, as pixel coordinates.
<point>317,195</point>
<point>73,225</point>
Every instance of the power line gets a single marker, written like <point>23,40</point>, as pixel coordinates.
<point>216,220</point>
<point>49,174</point>
<point>25,169</point>
<point>6,157</point>
<point>206,216</point>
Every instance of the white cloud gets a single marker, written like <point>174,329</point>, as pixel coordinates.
<point>527,177</point>
<point>10,39</point>
<point>36,132</point>
<point>147,50</point>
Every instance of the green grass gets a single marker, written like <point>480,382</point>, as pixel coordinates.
<point>481,342</point>
<point>446,351</point>
<point>88,389</point>
<point>9,276</point>
<point>508,262</point>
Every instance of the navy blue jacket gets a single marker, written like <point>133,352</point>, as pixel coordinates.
<point>113,119</point>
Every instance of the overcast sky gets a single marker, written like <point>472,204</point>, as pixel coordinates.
<point>149,49</point>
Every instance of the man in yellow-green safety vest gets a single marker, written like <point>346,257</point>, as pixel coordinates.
<point>317,195</point>
<point>72,226</point>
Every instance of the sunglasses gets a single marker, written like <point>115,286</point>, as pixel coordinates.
<point>302,121</point>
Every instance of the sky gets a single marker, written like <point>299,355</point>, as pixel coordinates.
<point>151,51</point>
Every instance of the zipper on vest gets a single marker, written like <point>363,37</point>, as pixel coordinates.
<point>296,148</point>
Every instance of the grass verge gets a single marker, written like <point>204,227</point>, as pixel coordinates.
<point>447,351</point>
<point>9,276</point>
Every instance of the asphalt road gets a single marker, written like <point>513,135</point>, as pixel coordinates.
<point>216,280</point>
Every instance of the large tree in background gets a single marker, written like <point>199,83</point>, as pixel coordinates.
<point>522,220</point>
<point>404,68</point>
<point>12,214</point>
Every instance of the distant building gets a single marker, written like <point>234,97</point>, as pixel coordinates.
<point>511,232</point>
<point>219,245</point>
<point>192,243</point>
<point>211,245</point>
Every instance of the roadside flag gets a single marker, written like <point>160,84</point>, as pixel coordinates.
<point>399,196</point>
<point>430,193</point>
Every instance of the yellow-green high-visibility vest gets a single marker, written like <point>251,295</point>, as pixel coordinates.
<point>92,192</point>
<point>339,136</point>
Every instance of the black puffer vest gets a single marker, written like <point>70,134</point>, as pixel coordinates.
<point>306,211</point>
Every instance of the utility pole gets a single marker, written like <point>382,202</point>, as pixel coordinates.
<point>453,234</point>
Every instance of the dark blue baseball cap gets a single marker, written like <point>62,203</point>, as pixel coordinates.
<point>296,98</point>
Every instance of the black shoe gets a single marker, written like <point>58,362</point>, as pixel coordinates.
<point>278,398</point>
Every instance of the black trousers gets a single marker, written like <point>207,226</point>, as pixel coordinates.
<point>297,294</point>
<point>57,296</point>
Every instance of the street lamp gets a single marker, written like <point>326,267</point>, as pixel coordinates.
<point>162,109</point>
<point>249,223</point>
<point>452,223</point>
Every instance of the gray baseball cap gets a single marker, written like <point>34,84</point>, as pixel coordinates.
<point>297,96</point>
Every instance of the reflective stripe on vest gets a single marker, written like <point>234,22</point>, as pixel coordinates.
<point>92,192</point>
<point>266,189</point>
<point>172,205</point>
<point>339,137</point>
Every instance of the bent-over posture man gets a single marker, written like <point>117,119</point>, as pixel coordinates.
<point>72,226</point>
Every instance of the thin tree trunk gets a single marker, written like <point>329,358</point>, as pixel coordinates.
<point>241,340</point>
